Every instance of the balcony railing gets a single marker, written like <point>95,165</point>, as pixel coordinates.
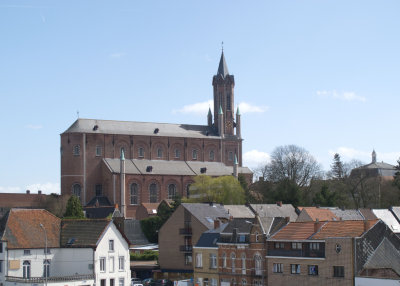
<point>186,248</point>
<point>186,231</point>
<point>36,280</point>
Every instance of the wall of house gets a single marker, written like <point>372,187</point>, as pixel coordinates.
<point>200,274</point>
<point>121,249</point>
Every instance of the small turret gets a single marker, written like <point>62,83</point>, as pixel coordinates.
<point>209,117</point>
<point>235,168</point>
<point>221,122</point>
<point>122,182</point>
<point>238,130</point>
<point>373,156</point>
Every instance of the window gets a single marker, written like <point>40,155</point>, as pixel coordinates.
<point>211,155</point>
<point>230,156</point>
<point>277,268</point>
<point>76,151</point>
<point>121,282</point>
<point>213,260</point>
<point>312,269</point>
<point>111,245</point>
<point>213,282</point>
<point>171,191</point>
<point>244,282</point>
<point>153,192</point>
<point>296,245</point>
<point>233,262</point>
<point>188,190</point>
<point>102,264</point>
<point>76,190</point>
<point>295,268</point>
<point>177,153</point>
<point>228,101</point>
<point>27,252</point>
<point>194,154</point>
<point>47,251</point>
<point>1,266</point>
<point>279,245</point>
<point>112,283</point>
<point>199,260</point>
<point>314,246</point>
<point>111,262</point>
<point>134,194</point>
<point>46,268</point>
<point>258,264</point>
<point>121,263</point>
<point>141,152</point>
<point>98,150</point>
<point>188,258</point>
<point>103,282</point>
<point>159,152</point>
<point>1,247</point>
<point>98,190</point>
<point>243,263</point>
<point>256,234</point>
<point>338,271</point>
<point>26,269</point>
<point>223,260</point>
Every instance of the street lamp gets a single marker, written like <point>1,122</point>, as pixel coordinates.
<point>45,254</point>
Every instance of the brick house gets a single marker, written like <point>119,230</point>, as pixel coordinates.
<point>160,159</point>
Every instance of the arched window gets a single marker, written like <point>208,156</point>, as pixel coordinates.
<point>76,150</point>
<point>153,189</point>
<point>228,101</point>
<point>159,152</point>
<point>256,234</point>
<point>224,260</point>
<point>243,264</point>
<point>194,154</point>
<point>211,155</point>
<point>171,191</point>
<point>76,190</point>
<point>230,156</point>
<point>141,152</point>
<point>188,190</point>
<point>134,194</point>
<point>258,264</point>
<point>244,282</point>
<point>46,268</point>
<point>177,153</point>
<point>233,262</point>
<point>26,268</point>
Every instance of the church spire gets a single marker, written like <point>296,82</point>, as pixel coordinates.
<point>373,156</point>
<point>223,68</point>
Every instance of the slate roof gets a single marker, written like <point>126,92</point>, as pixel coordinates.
<point>387,217</point>
<point>206,214</point>
<point>223,67</point>
<point>82,125</point>
<point>208,239</point>
<point>21,229</point>
<point>239,211</point>
<point>396,212</point>
<point>383,169</point>
<point>100,212</point>
<point>270,225</point>
<point>134,233</point>
<point>386,256</point>
<point>348,214</point>
<point>274,210</point>
<point>242,225</point>
<point>82,233</point>
<point>164,167</point>
<point>100,201</point>
<point>343,228</point>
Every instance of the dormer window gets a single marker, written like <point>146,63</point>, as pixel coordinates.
<point>211,155</point>
<point>194,154</point>
<point>76,150</point>
<point>177,153</point>
<point>141,152</point>
<point>27,252</point>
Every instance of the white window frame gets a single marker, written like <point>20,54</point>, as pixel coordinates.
<point>121,282</point>
<point>277,268</point>
<point>213,261</point>
<point>111,246</point>
<point>295,269</point>
<point>199,260</point>
<point>102,262</point>
<point>121,263</point>
<point>112,263</point>
<point>297,245</point>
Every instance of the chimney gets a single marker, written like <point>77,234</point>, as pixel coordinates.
<point>28,192</point>
<point>216,223</point>
<point>317,225</point>
<point>367,225</point>
<point>39,192</point>
<point>116,206</point>
<point>279,204</point>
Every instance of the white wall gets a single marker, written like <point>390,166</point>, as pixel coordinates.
<point>359,281</point>
<point>121,248</point>
<point>4,266</point>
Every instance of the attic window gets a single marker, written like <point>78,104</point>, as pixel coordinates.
<point>156,130</point>
<point>242,238</point>
<point>203,170</point>
<point>95,127</point>
<point>71,241</point>
<point>149,169</point>
<point>27,252</point>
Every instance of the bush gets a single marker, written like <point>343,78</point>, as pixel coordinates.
<point>148,255</point>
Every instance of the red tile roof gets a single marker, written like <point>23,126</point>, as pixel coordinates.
<point>21,229</point>
<point>345,228</point>
<point>319,213</point>
<point>295,231</point>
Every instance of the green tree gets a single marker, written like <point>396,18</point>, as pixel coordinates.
<point>325,197</point>
<point>288,192</point>
<point>74,208</point>
<point>337,168</point>
<point>225,190</point>
<point>396,177</point>
<point>150,227</point>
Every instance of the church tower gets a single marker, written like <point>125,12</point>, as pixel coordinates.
<point>224,84</point>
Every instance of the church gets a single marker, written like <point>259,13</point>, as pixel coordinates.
<point>129,163</point>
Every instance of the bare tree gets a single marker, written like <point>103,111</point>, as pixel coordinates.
<point>292,163</point>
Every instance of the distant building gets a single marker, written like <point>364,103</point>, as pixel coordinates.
<point>141,162</point>
<point>21,200</point>
<point>377,169</point>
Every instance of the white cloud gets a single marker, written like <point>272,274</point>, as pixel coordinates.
<point>46,188</point>
<point>345,95</point>
<point>117,55</point>
<point>347,153</point>
<point>10,189</point>
<point>201,108</point>
<point>255,158</point>
<point>34,126</point>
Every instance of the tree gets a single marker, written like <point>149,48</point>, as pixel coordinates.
<point>325,197</point>
<point>292,163</point>
<point>396,177</point>
<point>74,208</point>
<point>150,227</point>
<point>225,190</point>
<point>337,168</point>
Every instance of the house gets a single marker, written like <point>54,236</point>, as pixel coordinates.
<point>275,210</point>
<point>145,210</point>
<point>389,218</point>
<point>328,213</point>
<point>21,200</point>
<point>38,248</point>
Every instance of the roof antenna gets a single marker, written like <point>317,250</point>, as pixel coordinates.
<point>222,45</point>
<point>77,113</point>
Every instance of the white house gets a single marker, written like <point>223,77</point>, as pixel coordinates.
<point>37,248</point>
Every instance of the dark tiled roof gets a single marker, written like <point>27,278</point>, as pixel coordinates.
<point>208,239</point>
<point>272,225</point>
<point>99,212</point>
<point>82,233</point>
<point>101,201</point>
<point>242,225</point>
<point>385,256</point>
<point>396,212</point>
<point>21,228</point>
<point>134,233</point>
<point>222,68</point>
<point>206,213</point>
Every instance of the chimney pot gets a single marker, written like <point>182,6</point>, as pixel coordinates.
<point>39,192</point>
<point>216,224</point>
<point>279,203</point>
<point>28,192</point>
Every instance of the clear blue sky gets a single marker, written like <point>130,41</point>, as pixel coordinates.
<point>324,75</point>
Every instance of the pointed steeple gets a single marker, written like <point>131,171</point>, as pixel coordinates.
<point>209,117</point>
<point>220,110</point>
<point>209,111</point>
<point>373,156</point>
<point>223,68</point>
